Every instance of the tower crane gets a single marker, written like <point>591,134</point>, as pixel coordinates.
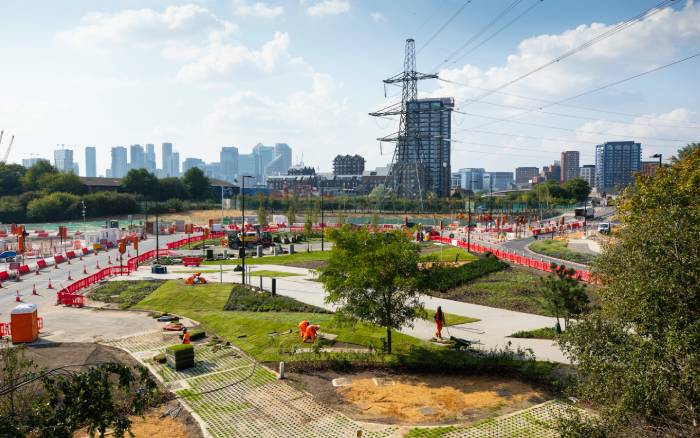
<point>7,152</point>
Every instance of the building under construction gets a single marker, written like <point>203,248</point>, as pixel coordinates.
<point>421,162</point>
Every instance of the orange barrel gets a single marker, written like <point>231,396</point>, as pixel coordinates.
<point>24,323</point>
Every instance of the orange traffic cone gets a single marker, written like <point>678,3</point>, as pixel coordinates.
<point>81,257</point>
<point>128,254</point>
<point>34,290</point>
<point>68,260</point>
<point>69,277</point>
<point>50,286</point>
<point>84,270</point>
<point>97,265</point>
<point>37,270</point>
<point>109,260</point>
<point>55,265</point>
<point>1,285</point>
<point>17,298</point>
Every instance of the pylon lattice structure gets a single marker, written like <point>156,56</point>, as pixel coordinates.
<point>409,175</point>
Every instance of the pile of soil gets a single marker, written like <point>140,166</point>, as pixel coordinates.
<point>420,399</point>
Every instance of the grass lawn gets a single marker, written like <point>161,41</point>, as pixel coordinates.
<point>267,273</point>
<point>192,271</point>
<point>286,259</point>
<point>445,253</point>
<point>198,245</point>
<point>542,333</point>
<point>450,319</point>
<point>205,303</point>
<point>124,293</point>
<point>558,249</point>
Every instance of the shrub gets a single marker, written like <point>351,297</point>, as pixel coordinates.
<point>442,278</point>
<point>250,300</point>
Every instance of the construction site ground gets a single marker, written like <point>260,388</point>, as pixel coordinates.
<point>418,399</point>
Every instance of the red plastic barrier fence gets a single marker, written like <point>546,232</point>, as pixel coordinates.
<point>41,263</point>
<point>70,254</point>
<point>39,323</point>
<point>4,276</point>
<point>5,329</point>
<point>23,270</point>
<point>85,251</point>
<point>58,258</point>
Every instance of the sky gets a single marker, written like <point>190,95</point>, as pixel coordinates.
<point>206,74</point>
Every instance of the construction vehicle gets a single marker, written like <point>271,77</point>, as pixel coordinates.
<point>249,239</point>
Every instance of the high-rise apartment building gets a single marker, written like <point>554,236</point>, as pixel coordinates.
<point>587,173</point>
<point>174,169</point>
<point>150,157</point>
<point>90,161</point>
<point>423,162</point>
<point>348,165</point>
<point>119,162</point>
<point>615,164</point>
<point>166,156</point>
<point>29,162</point>
<point>228,163</point>
<point>63,161</point>
<point>569,165</point>
<point>138,157</point>
<point>472,178</point>
<point>523,175</point>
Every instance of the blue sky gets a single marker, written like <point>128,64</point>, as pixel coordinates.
<point>206,74</point>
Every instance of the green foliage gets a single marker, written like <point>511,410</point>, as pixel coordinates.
<point>197,184</point>
<point>562,294</point>
<point>10,177</point>
<point>56,206</point>
<point>541,333</point>
<point>443,278</point>
<point>685,151</point>
<point>372,277</point>
<point>13,370</point>
<point>558,249</point>
<point>291,213</point>
<point>11,209</point>
<point>578,189</point>
<point>262,216</point>
<point>30,179</point>
<point>67,182</point>
<point>448,254</point>
<point>140,181</point>
<point>246,299</point>
<point>179,347</point>
<point>637,356</point>
<point>125,293</point>
<point>109,203</point>
<point>171,188</point>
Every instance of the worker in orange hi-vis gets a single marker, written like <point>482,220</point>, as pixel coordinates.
<point>439,322</point>
<point>185,336</point>
<point>311,331</point>
<point>302,328</point>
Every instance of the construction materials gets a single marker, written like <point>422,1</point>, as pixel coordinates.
<point>180,357</point>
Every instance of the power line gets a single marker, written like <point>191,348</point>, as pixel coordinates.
<point>439,31</point>
<point>563,140</point>
<point>528,148</point>
<point>607,34</point>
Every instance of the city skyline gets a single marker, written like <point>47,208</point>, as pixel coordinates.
<point>277,80</point>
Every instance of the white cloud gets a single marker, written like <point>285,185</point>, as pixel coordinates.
<point>377,17</point>
<point>221,57</point>
<point>145,27</point>
<point>258,9</point>
<point>328,7</point>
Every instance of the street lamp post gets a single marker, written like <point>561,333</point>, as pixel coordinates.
<point>469,223</point>
<point>659,156</point>
<point>322,221</point>
<point>157,231</point>
<point>243,177</point>
<point>84,211</point>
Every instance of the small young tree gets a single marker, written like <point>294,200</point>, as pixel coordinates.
<point>563,294</point>
<point>291,213</point>
<point>308,230</point>
<point>372,277</point>
<point>374,221</point>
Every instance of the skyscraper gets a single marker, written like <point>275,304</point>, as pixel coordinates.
<point>615,164</point>
<point>190,163</point>
<point>150,157</point>
<point>63,161</point>
<point>523,175</point>
<point>472,178</point>
<point>569,165</point>
<point>138,157</point>
<point>428,131</point>
<point>228,159</point>
<point>90,161</point>
<point>587,172</point>
<point>263,156</point>
<point>119,162</point>
<point>29,162</point>
<point>167,152</point>
<point>246,164</point>
<point>497,180</point>
<point>174,164</point>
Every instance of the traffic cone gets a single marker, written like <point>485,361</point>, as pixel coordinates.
<point>17,298</point>
<point>84,270</point>
<point>128,254</point>
<point>50,286</point>
<point>55,265</point>
<point>1,285</point>
<point>69,277</point>
<point>97,265</point>
<point>81,257</point>
<point>37,270</point>
<point>34,290</point>
<point>109,260</point>
<point>68,260</point>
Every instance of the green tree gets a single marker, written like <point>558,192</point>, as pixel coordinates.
<point>30,179</point>
<point>685,151</point>
<point>308,230</point>
<point>262,215</point>
<point>171,188</point>
<point>374,221</point>
<point>291,214</point>
<point>53,207</point>
<point>197,184</point>
<point>563,294</point>
<point>67,182</point>
<point>637,357</point>
<point>10,177</point>
<point>578,189</point>
<point>372,277</point>
<point>140,181</point>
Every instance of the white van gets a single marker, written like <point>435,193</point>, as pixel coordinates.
<point>604,228</point>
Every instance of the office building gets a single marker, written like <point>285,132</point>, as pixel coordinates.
<point>90,161</point>
<point>190,163</point>
<point>649,167</point>
<point>174,169</point>
<point>63,161</point>
<point>281,162</point>
<point>246,165</point>
<point>228,163</point>
<point>616,162</point>
<point>523,175</point>
<point>166,156</point>
<point>29,162</point>
<point>119,162</point>
<point>493,181</point>
<point>151,157</point>
<point>587,173</point>
<point>138,157</point>
<point>472,179</point>
<point>428,130</point>
<point>211,170</point>
<point>263,156</point>
<point>552,172</point>
<point>455,180</point>
<point>569,165</point>
<point>348,165</point>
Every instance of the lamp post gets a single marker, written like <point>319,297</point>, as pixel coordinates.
<point>157,231</point>
<point>659,156</point>
<point>322,221</point>
<point>84,211</point>
<point>469,223</point>
<point>243,177</point>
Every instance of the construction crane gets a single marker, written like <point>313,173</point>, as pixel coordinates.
<point>9,148</point>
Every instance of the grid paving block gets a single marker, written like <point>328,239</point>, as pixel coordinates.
<point>206,361</point>
<point>145,342</point>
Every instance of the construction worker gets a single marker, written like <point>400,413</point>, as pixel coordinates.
<point>302,328</point>
<point>185,336</point>
<point>439,322</point>
<point>311,332</point>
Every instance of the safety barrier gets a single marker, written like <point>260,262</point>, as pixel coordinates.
<point>4,276</point>
<point>70,254</point>
<point>41,263</point>
<point>193,239</point>
<point>6,327</point>
<point>85,251</point>
<point>518,259</point>
<point>58,258</point>
<point>23,270</point>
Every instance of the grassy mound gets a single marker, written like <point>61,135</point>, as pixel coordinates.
<point>443,278</point>
<point>542,333</point>
<point>124,293</point>
<point>249,300</point>
<point>558,249</point>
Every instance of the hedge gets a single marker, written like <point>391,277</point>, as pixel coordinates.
<point>442,278</point>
